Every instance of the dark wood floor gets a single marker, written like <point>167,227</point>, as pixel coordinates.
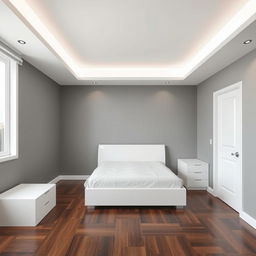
<point>205,227</point>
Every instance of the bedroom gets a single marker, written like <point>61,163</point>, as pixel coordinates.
<point>63,116</point>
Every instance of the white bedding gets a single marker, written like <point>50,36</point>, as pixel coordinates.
<point>133,175</point>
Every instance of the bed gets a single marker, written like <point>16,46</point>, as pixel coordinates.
<point>133,175</point>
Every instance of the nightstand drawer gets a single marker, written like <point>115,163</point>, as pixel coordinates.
<point>197,183</point>
<point>198,174</point>
<point>201,168</point>
<point>45,203</point>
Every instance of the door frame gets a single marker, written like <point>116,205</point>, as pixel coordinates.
<point>239,86</point>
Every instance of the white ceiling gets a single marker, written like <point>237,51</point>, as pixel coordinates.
<point>161,37</point>
<point>136,33</point>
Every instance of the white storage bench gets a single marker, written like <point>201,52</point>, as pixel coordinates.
<point>26,204</point>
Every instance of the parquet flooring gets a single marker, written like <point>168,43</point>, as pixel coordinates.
<point>205,227</point>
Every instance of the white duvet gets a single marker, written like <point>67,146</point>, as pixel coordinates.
<point>133,175</point>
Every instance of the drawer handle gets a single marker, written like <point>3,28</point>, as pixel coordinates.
<point>197,179</point>
<point>197,165</point>
<point>46,203</point>
<point>197,172</point>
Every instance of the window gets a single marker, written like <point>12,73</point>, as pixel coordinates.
<point>3,134</point>
<point>8,108</point>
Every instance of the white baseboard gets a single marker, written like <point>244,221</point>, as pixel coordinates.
<point>69,177</point>
<point>247,218</point>
<point>74,177</point>
<point>211,191</point>
<point>55,180</point>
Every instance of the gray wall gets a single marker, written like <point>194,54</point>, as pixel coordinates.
<point>242,70</point>
<point>117,115</point>
<point>38,131</point>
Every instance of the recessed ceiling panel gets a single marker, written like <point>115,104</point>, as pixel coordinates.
<point>129,42</point>
<point>135,32</point>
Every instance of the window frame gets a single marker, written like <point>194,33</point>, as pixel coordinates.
<point>11,109</point>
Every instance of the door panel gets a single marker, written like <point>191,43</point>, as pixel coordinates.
<point>228,121</point>
<point>228,183</point>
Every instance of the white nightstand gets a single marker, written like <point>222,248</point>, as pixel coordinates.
<point>26,204</point>
<point>194,173</point>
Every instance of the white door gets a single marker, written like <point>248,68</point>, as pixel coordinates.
<point>229,147</point>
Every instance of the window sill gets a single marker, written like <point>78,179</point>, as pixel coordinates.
<point>8,158</point>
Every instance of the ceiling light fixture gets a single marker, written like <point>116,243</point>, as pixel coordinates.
<point>245,16</point>
<point>21,42</point>
<point>247,41</point>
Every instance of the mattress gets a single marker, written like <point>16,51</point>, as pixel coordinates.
<point>133,175</point>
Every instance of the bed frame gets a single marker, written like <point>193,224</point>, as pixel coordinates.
<point>134,196</point>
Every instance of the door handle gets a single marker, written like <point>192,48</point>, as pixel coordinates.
<point>235,154</point>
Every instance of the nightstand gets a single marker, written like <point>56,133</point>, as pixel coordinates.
<point>26,204</point>
<point>194,173</point>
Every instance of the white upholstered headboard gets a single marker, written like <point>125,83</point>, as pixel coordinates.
<point>155,153</point>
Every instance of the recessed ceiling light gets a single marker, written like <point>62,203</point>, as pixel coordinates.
<point>247,41</point>
<point>21,42</point>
